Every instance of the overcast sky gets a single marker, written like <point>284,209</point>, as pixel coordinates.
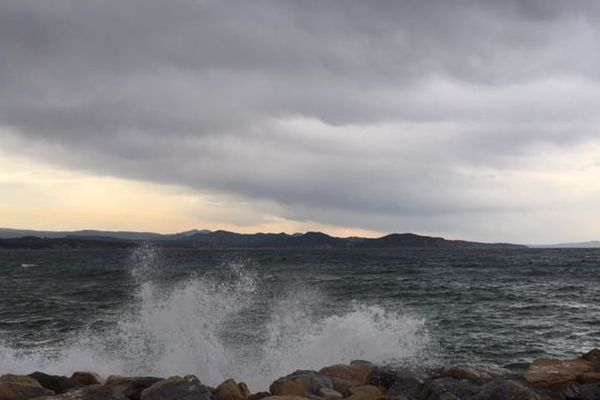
<point>467,119</point>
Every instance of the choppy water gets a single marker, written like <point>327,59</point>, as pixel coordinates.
<point>258,314</point>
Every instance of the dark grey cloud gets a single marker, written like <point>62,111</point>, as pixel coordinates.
<point>386,115</point>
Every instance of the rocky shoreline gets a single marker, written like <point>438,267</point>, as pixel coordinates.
<point>574,379</point>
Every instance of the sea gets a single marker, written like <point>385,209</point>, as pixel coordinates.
<point>256,315</point>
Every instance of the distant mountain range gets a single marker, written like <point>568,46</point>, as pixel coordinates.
<point>8,233</point>
<point>15,238</point>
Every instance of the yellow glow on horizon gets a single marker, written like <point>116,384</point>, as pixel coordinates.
<point>42,197</point>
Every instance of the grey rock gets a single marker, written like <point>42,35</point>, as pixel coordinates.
<point>383,376</point>
<point>329,394</point>
<point>178,388</point>
<point>506,390</point>
<point>407,383</point>
<point>312,379</point>
<point>475,372</point>
<point>58,384</point>
<point>581,392</point>
<point>436,389</point>
<point>87,378</point>
<point>131,387</point>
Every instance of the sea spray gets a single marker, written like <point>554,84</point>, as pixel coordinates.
<point>225,322</point>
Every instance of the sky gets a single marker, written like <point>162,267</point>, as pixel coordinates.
<point>464,119</point>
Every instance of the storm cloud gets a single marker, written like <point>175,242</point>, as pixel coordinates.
<point>468,118</point>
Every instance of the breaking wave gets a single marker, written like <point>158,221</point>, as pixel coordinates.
<point>224,324</point>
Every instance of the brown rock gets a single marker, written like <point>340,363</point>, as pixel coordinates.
<point>20,379</point>
<point>588,377</point>
<point>593,356</point>
<point>87,378</point>
<point>366,392</point>
<point>259,396</point>
<point>20,387</point>
<point>289,387</point>
<point>554,374</point>
<point>356,374</point>
<point>231,390</point>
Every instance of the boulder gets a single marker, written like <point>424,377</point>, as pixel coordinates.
<point>329,394</point>
<point>581,392</point>
<point>593,356</point>
<point>407,383</point>
<point>477,373</point>
<point>58,384</point>
<point>366,392</point>
<point>178,388</point>
<point>588,377</point>
<point>345,376</point>
<point>447,388</point>
<point>21,387</point>
<point>555,374</point>
<point>91,392</point>
<point>506,390</point>
<point>383,376</point>
<point>259,396</point>
<point>285,397</point>
<point>231,390</point>
<point>300,383</point>
<point>131,387</point>
<point>87,378</point>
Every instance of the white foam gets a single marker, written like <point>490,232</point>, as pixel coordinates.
<point>182,329</point>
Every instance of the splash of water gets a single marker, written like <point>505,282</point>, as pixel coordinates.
<point>210,325</point>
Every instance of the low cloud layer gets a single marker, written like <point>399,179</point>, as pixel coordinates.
<point>468,119</point>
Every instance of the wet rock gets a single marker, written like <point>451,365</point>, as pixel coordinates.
<point>300,383</point>
<point>285,397</point>
<point>20,379</point>
<point>506,390</point>
<point>588,377</point>
<point>477,373</point>
<point>91,392</point>
<point>442,388</point>
<point>58,384</point>
<point>131,387</point>
<point>87,378</point>
<point>259,396</point>
<point>231,390</point>
<point>178,388</point>
<point>407,383</point>
<point>383,376</point>
<point>593,357</point>
<point>366,392</point>
<point>581,392</point>
<point>21,387</point>
<point>345,376</point>
<point>555,374</point>
<point>329,394</point>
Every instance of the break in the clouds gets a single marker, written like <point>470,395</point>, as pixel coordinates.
<point>474,119</point>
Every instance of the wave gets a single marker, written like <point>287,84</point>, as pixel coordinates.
<point>223,324</point>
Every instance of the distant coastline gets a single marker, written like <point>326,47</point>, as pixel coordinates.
<point>27,239</point>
